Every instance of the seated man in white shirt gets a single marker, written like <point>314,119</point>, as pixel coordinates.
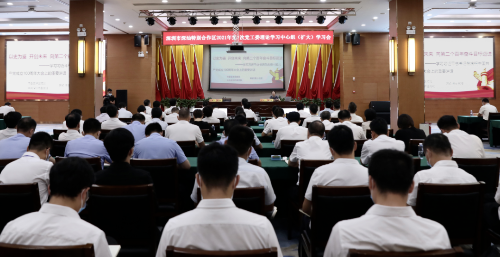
<point>325,119</point>
<point>216,224</point>
<point>279,122</point>
<point>485,109</point>
<point>79,112</point>
<point>242,120</point>
<point>443,169</point>
<point>389,225</point>
<point>328,107</point>
<point>157,104</point>
<point>291,132</point>
<point>208,115</point>
<point>33,166</point>
<point>218,113</point>
<point>122,112</point>
<point>113,122</point>
<point>267,120</point>
<point>184,130</point>
<point>344,171</point>
<point>370,114</point>
<point>57,223</point>
<point>300,109</point>
<point>6,108</point>
<point>142,110</point>
<point>173,103</point>
<point>463,144</point>
<point>336,109</point>
<point>250,114</point>
<point>379,141</point>
<point>11,119</point>
<point>147,105</point>
<point>314,148</point>
<point>241,139</point>
<point>156,114</point>
<point>104,115</point>
<point>352,109</point>
<point>313,109</point>
<point>73,124</point>
<point>345,119</point>
<point>173,117</point>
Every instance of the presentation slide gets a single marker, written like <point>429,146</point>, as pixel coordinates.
<point>37,70</point>
<point>459,67</point>
<point>261,67</point>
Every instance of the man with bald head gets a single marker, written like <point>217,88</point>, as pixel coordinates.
<point>185,131</point>
<point>314,147</point>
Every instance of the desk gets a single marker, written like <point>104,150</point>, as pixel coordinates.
<point>494,133</point>
<point>470,124</point>
<point>262,139</point>
<point>256,129</point>
<point>4,126</point>
<point>263,108</point>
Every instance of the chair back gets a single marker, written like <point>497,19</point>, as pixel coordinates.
<point>42,251</point>
<point>301,121</point>
<point>126,120</point>
<point>189,148</point>
<point>492,116</point>
<point>17,200</point>
<point>104,133</point>
<point>359,147</point>
<point>221,122</point>
<point>57,132</point>
<point>185,252</point>
<point>334,120</point>
<point>458,207</point>
<point>333,204</point>
<point>5,162</point>
<point>254,162</point>
<point>456,251</point>
<point>165,178</point>
<point>287,146</point>
<point>216,126</point>
<point>205,133</point>
<point>58,148</point>
<point>358,123</point>
<point>1,115</point>
<point>125,213</point>
<point>417,164</point>
<point>413,146</point>
<point>171,123</point>
<point>250,121</point>
<point>252,199</point>
<point>390,132</point>
<point>95,162</point>
<point>275,131</point>
<point>307,168</point>
<point>483,169</point>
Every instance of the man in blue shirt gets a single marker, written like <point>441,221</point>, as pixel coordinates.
<point>137,127</point>
<point>155,146</point>
<point>14,147</point>
<point>88,146</point>
<point>228,125</point>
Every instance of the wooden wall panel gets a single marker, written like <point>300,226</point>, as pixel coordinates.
<point>368,64</point>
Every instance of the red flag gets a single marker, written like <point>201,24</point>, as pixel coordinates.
<point>163,87</point>
<point>197,88</point>
<point>292,83</point>
<point>304,81</point>
<point>327,81</point>
<point>175,79</point>
<point>336,86</point>
<point>186,82</point>
<point>317,82</point>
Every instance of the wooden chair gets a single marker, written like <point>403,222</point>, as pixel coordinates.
<point>483,169</point>
<point>104,133</point>
<point>205,133</point>
<point>334,120</point>
<point>491,116</point>
<point>184,252</point>
<point>41,251</point>
<point>455,251</point>
<point>95,162</point>
<point>57,132</point>
<point>165,182</point>
<point>301,121</point>
<point>360,144</point>
<point>287,146</point>
<point>254,162</point>
<point>413,146</point>
<point>189,148</point>
<point>58,148</point>
<point>250,121</point>
<point>126,213</point>
<point>17,200</point>
<point>252,199</point>
<point>328,208</point>
<point>459,208</point>
<point>221,121</point>
<point>275,132</point>
<point>390,133</point>
<point>4,162</point>
<point>126,120</point>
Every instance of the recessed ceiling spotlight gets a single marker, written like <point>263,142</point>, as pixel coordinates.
<point>363,25</point>
<point>388,9</point>
<point>117,19</point>
<point>323,0</point>
<point>183,22</point>
<point>432,36</point>
<point>267,21</point>
<point>238,0</point>
<point>224,22</point>
<point>164,1</point>
<point>492,30</point>
<point>10,4</point>
<point>488,21</point>
<point>375,18</point>
<point>452,21</point>
<point>130,26</point>
<point>310,21</point>
<point>429,14</point>
<point>45,24</point>
<point>10,24</point>
<point>353,30</point>
<point>103,11</point>
<point>140,31</point>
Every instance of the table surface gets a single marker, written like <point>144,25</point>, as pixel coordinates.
<point>468,119</point>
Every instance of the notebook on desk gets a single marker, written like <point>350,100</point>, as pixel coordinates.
<point>115,249</point>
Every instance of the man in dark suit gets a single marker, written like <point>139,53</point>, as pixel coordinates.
<point>120,145</point>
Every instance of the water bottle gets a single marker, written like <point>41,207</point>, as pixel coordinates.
<point>421,150</point>
<point>471,113</point>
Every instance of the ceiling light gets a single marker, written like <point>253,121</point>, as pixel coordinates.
<point>375,18</point>
<point>321,19</point>
<point>256,20</point>
<point>235,20</point>
<point>480,37</point>
<point>171,21</point>
<point>140,31</point>
<point>362,25</point>
<point>150,21</point>
<point>3,33</point>
<point>130,26</point>
<point>342,19</point>
<point>488,21</point>
<point>214,20</point>
<point>66,17</point>
<point>310,21</point>
<point>432,36</point>
<point>278,19</point>
<point>10,24</point>
<point>238,0</point>
<point>440,30</point>
<point>45,24</point>
<point>117,19</point>
<point>388,9</point>
<point>183,22</point>
<point>10,4</point>
<point>267,21</point>
<point>299,19</point>
<point>429,14</point>
<point>452,21</point>
<point>323,0</point>
<point>164,1</point>
<point>224,22</point>
<point>192,20</point>
<point>353,30</point>
<point>492,30</point>
<point>103,11</point>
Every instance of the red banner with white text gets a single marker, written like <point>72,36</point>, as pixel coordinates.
<point>247,37</point>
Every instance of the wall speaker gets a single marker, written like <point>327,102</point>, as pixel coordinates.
<point>146,40</point>
<point>121,97</point>
<point>137,40</point>
<point>355,39</point>
<point>347,37</point>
